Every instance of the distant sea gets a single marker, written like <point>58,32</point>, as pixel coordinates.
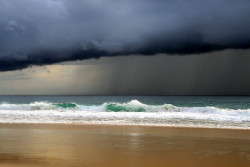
<point>231,112</point>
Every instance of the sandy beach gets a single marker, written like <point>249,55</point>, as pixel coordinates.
<point>105,146</point>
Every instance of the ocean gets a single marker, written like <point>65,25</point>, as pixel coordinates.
<point>232,112</point>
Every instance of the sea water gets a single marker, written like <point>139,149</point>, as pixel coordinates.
<point>181,111</point>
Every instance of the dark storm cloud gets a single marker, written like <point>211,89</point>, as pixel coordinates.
<point>49,31</point>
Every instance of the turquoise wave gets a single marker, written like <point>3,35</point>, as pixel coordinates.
<point>132,106</point>
<point>65,105</point>
<point>133,112</point>
<point>126,108</point>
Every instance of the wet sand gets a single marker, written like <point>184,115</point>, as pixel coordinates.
<point>123,146</point>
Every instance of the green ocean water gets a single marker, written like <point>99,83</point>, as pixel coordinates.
<point>231,102</point>
<point>181,111</point>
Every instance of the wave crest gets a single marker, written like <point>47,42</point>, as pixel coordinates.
<point>131,113</point>
<point>132,106</point>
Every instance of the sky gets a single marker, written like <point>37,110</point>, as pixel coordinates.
<point>125,47</point>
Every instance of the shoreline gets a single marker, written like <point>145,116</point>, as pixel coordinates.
<point>122,125</point>
<point>156,130</point>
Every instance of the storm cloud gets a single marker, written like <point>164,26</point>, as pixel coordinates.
<point>50,31</point>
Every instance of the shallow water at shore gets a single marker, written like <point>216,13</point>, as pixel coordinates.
<point>207,112</point>
<point>68,145</point>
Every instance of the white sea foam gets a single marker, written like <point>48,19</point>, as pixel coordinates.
<point>131,113</point>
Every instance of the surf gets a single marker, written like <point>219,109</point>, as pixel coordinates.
<point>130,113</point>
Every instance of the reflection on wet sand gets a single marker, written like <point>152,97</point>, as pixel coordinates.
<point>12,158</point>
<point>105,146</point>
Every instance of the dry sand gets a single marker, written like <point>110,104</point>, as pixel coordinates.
<point>121,146</point>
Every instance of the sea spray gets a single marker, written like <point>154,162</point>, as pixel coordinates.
<point>130,113</point>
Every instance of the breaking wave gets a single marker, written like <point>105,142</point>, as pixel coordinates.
<point>132,106</point>
<point>131,113</point>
